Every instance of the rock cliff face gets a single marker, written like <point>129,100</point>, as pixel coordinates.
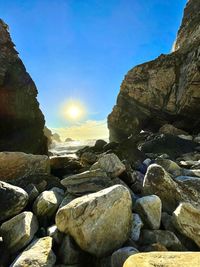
<point>21,120</point>
<point>165,90</point>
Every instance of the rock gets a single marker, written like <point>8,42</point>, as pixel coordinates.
<point>99,144</point>
<point>170,166</point>
<point>19,231</point>
<point>190,182</point>
<point>55,234</point>
<point>197,139</point>
<point>191,172</point>
<point>42,182</point>
<point>137,224</point>
<point>164,259</point>
<point>153,247</point>
<point>164,90</point>
<point>88,158</point>
<point>64,165</point>
<point>14,165</point>
<point>138,185</point>
<point>189,31</point>
<point>13,200</point>
<point>48,202</point>
<point>56,137</point>
<point>19,108</point>
<point>86,182</point>
<point>111,164</point>
<point>32,192</point>
<point>168,225</point>
<point>165,238</point>
<point>186,220</point>
<point>149,208</point>
<point>69,253</point>
<point>67,199</point>
<point>158,181</point>
<point>88,218</point>
<point>170,129</point>
<point>37,254</point>
<point>168,144</point>
<point>120,256</point>
<point>186,137</point>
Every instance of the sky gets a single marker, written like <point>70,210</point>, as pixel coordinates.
<point>78,51</point>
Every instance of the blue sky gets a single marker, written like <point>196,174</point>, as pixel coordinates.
<point>81,49</point>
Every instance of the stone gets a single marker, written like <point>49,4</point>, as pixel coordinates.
<point>99,145</point>
<point>170,166</point>
<point>158,181</point>
<point>48,202</point>
<point>14,165</point>
<point>37,254</point>
<point>149,208</point>
<point>164,90</point>
<point>42,182</point>
<point>172,145</point>
<point>190,182</point>
<point>57,236</point>
<point>88,220</point>
<point>164,259</point>
<point>19,231</point>
<point>69,253</point>
<point>21,120</point>
<point>88,158</point>
<point>153,247</point>
<point>120,256</point>
<point>111,164</point>
<point>137,224</point>
<point>13,200</point>
<point>186,220</point>
<point>170,129</point>
<point>163,237</point>
<point>186,137</point>
<point>67,199</point>
<point>32,192</point>
<point>86,182</point>
<point>63,165</point>
<point>191,172</point>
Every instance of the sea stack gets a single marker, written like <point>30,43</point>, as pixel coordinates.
<point>21,120</point>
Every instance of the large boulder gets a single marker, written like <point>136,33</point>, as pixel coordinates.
<point>164,90</point>
<point>15,165</point>
<point>13,200</point>
<point>37,254</point>
<point>164,259</point>
<point>86,182</point>
<point>186,220</point>
<point>19,231</point>
<point>158,181</point>
<point>149,208</point>
<point>98,222</point>
<point>21,120</point>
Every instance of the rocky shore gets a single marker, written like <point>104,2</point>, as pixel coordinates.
<point>132,202</point>
<point>103,209</point>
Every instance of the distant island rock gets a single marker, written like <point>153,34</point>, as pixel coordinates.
<point>69,139</point>
<point>56,137</point>
<point>21,120</point>
<point>165,90</point>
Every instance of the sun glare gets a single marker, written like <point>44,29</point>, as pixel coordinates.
<point>73,110</point>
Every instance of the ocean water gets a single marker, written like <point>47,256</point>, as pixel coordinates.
<point>69,148</point>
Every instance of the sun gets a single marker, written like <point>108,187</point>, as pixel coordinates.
<point>73,110</point>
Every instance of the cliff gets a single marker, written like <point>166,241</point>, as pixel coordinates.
<point>165,90</point>
<point>21,120</point>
